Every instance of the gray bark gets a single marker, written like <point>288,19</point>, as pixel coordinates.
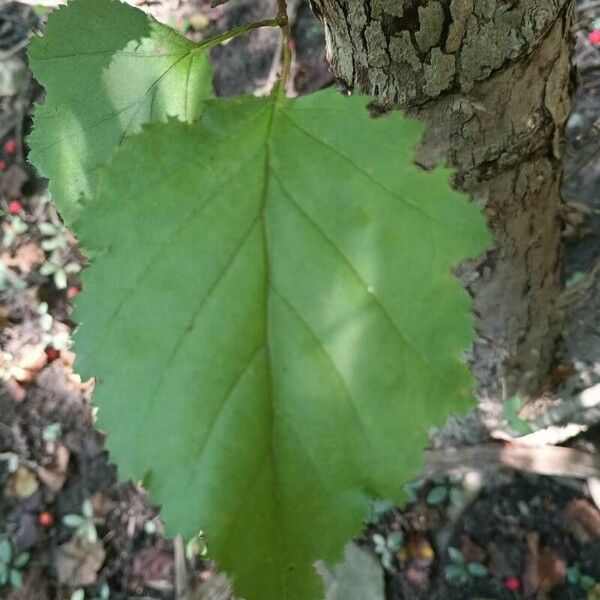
<point>493,80</point>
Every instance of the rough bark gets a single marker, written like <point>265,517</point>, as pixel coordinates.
<point>493,79</point>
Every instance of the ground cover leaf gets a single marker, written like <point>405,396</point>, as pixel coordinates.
<point>273,323</point>
<point>107,68</point>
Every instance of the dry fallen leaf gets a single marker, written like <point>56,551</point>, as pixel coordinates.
<point>26,258</point>
<point>23,483</point>
<point>153,567</point>
<point>31,361</point>
<point>78,561</point>
<point>12,181</point>
<point>54,476</point>
<point>582,520</point>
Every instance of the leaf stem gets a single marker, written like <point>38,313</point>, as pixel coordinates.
<point>233,33</point>
<point>286,51</point>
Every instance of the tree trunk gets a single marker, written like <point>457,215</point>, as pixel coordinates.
<point>493,80</point>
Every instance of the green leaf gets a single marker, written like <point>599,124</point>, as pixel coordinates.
<point>587,582</point>
<point>378,508</point>
<point>573,574</point>
<point>107,68</point>
<point>15,578</point>
<point>274,325</point>
<point>21,560</point>
<point>456,572</point>
<point>73,521</point>
<point>395,541</point>
<point>5,551</point>
<point>437,495</point>
<point>456,556</point>
<point>477,569</point>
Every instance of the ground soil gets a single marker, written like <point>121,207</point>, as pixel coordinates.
<point>526,529</point>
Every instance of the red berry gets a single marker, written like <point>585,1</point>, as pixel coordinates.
<point>3,165</point>
<point>10,146</point>
<point>15,207</point>
<point>46,519</point>
<point>72,292</point>
<point>52,354</point>
<point>594,37</point>
<point>513,584</point>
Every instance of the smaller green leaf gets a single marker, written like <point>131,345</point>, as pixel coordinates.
<point>437,495</point>
<point>387,560</point>
<point>60,279</point>
<point>456,556</point>
<point>379,542</point>
<point>477,569</point>
<point>48,229</point>
<point>3,574</point>
<point>16,578</point>
<point>573,574</point>
<point>587,582</point>
<point>87,510</point>
<point>5,551</point>
<point>78,594</point>
<point>73,521</point>
<point>107,68</point>
<point>412,488</point>
<point>21,560</point>
<point>378,508</point>
<point>455,572</point>
<point>88,532</point>
<point>456,497</point>
<point>395,541</point>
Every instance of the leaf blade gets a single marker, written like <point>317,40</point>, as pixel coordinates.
<point>278,318</point>
<point>107,68</point>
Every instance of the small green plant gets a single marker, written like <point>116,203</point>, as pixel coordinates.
<point>13,227</point>
<point>59,269</point>
<point>412,489</point>
<point>56,237</point>
<point>377,509</point>
<point>446,490</point>
<point>12,461</point>
<point>11,566</point>
<point>576,577</point>
<point>83,524</point>
<point>196,547</point>
<point>388,547</point>
<point>52,432</point>
<point>104,594</point>
<point>461,571</point>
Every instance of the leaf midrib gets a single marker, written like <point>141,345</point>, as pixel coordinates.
<point>274,98</point>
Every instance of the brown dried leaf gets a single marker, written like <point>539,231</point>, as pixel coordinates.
<point>26,258</point>
<point>78,561</point>
<point>582,520</point>
<point>154,567</point>
<point>23,483</point>
<point>17,391</point>
<point>31,361</point>
<point>12,181</point>
<point>552,569</point>
<point>55,476</point>
<point>471,551</point>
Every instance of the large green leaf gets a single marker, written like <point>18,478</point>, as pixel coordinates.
<point>273,323</point>
<point>107,68</point>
